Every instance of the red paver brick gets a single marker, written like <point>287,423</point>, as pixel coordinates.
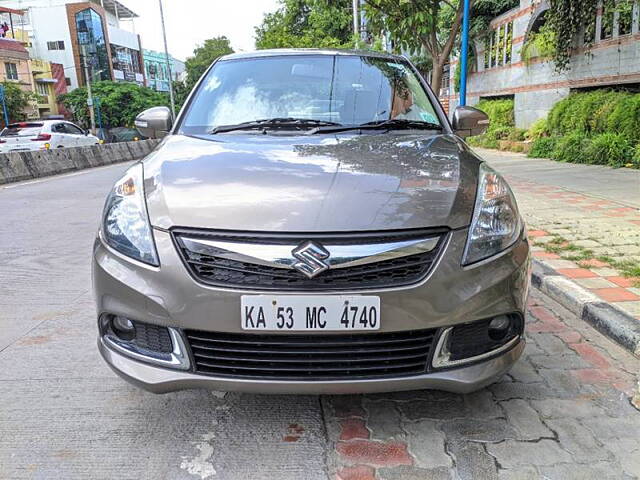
<point>593,263</point>
<point>591,355</point>
<point>537,233</point>
<point>576,273</point>
<point>358,472</point>
<point>616,294</point>
<point>635,222</point>
<point>543,314</point>
<point>548,322</point>
<point>624,282</point>
<point>353,428</point>
<point>547,255</point>
<point>603,376</point>
<point>570,336</point>
<point>625,209</point>
<point>377,454</point>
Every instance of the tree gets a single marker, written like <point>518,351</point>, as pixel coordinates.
<point>429,26</point>
<point>307,24</point>
<point>203,56</point>
<point>120,102</point>
<point>17,101</point>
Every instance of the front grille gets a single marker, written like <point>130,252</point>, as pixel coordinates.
<point>223,272</point>
<point>311,357</point>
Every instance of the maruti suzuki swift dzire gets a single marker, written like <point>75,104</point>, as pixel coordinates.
<point>311,222</point>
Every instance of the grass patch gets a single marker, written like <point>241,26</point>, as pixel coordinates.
<point>569,251</point>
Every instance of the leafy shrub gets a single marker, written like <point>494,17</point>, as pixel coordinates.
<point>599,111</point>
<point>538,129</point>
<point>517,134</point>
<point>576,112</point>
<point>543,147</point>
<point>540,44</point>
<point>611,149</point>
<point>571,148</point>
<point>500,112</point>
<point>625,118</point>
<point>498,133</point>
<point>635,161</point>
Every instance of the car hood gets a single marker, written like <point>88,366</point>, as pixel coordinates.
<point>329,183</point>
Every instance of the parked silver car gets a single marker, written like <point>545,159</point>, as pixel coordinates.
<point>311,223</point>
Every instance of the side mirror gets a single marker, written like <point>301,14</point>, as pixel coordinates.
<point>86,133</point>
<point>154,122</point>
<point>469,121</point>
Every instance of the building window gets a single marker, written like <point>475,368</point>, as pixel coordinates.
<point>508,42</point>
<point>625,17</point>
<point>606,27</point>
<point>93,45</point>
<point>42,88</point>
<point>126,60</point>
<point>498,46</point>
<point>57,45</point>
<point>12,71</point>
<point>67,81</point>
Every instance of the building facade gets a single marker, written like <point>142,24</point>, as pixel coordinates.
<point>44,85</point>
<point>155,66</point>
<point>67,32</point>
<point>501,70</point>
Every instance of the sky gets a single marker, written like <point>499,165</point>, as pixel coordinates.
<point>190,22</point>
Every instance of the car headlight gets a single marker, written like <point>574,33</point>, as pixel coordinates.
<point>125,224</point>
<point>496,223</point>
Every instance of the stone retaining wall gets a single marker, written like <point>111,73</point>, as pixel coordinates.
<point>18,166</point>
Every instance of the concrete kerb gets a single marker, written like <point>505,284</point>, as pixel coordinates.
<point>609,320</point>
<point>20,166</point>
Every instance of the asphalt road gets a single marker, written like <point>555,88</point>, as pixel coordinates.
<point>563,412</point>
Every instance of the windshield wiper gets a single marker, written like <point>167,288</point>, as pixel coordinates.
<point>284,122</point>
<point>391,124</point>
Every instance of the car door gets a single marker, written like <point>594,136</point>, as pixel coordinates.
<point>78,135</point>
<point>71,135</point>
<point>58,135</point>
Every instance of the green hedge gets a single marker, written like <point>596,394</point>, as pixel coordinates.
<point>600,127</point>
<point>501,126</point>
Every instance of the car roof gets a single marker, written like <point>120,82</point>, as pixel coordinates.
<point>309,51</point>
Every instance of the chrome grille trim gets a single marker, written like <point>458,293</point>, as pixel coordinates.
<point>265,262</point>
<point>279,256</point>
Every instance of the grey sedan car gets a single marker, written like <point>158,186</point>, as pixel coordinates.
<point>311,223</point>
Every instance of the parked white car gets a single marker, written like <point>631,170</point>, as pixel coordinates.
<point>44,135</point>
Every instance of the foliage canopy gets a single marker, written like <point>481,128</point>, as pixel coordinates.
<point>120,102</point>
<point>203,56</point>
<point>17,101</point>
<point>307,24</point>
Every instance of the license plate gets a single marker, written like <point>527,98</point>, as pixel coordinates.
<point>310,312</point>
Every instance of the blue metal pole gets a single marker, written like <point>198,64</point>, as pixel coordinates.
<point>464,53</point>
<point>4,111</point>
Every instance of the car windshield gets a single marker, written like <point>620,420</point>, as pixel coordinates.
<point>342,89</point>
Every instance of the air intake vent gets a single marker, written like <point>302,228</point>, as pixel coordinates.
<point>311,357</point>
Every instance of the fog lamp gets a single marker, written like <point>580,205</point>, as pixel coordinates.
<point>499,327</point>
<point>123,328</point>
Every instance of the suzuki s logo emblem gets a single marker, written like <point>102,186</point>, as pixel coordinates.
<point>310,256</point>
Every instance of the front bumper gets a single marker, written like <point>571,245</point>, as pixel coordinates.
<point>450,295</point>
<point>459,380</point>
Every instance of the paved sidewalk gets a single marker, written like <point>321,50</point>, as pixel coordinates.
<point>584,222</point>
<point>562,412</point>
